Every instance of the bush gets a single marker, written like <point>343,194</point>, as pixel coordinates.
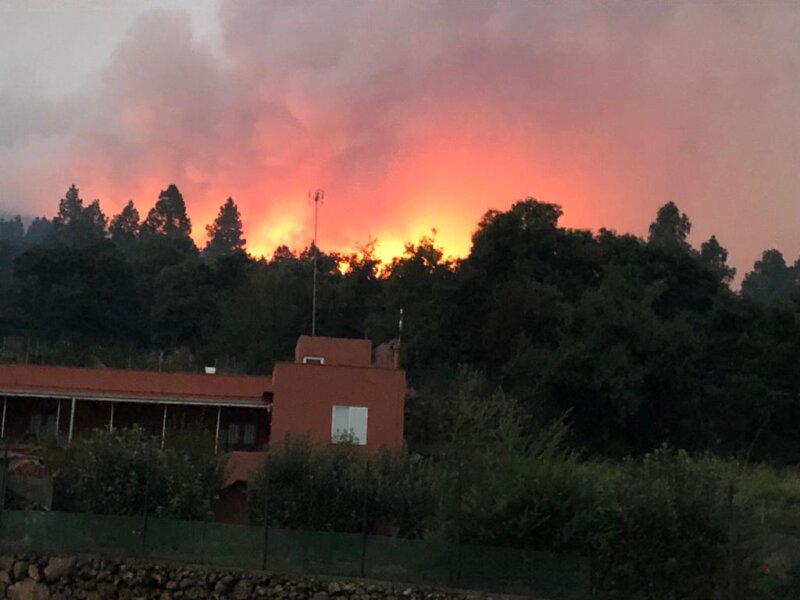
<point>326,489</point>
<point>117,472</point>
<point>663,537</point>
<point>526,492</point>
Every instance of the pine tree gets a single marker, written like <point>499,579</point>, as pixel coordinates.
<point>76,225</point>
<point>671,227</point>
<point>715,257</point>
<point>39,231</point>
<point>771,278</point>
<point>12,231</point>
<point>225,233</point>
<point>168,216</point>
<point>124,228</point>
<point>70,208</point>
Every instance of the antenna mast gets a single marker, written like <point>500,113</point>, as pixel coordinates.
<point>317,198</point>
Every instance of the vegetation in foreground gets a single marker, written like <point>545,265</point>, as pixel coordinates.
<point>665,525</point>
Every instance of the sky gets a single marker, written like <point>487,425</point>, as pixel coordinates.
<point>412,116</point>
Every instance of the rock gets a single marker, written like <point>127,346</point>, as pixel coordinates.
<point>334,588</point>
<point>28,590</point>
<point>33,572</point>
<point>243,590</point>
<point>20,569</point>
<point>58,567</point>
<point>186,582</point>
<point>320,596</point>
<point>7,562</point>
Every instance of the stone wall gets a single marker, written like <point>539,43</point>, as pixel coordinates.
<point>39,577</point>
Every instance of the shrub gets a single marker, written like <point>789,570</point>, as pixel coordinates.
<point>326,489</point>
<point>529,492</point>
<point>115,472</point>
<point>663,536</point>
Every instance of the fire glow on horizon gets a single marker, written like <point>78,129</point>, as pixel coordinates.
<point>420,116</point>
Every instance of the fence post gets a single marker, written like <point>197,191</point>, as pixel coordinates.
<point>731,549</point>
<point>459,520</point>
<point>3,486</point>
<point>364,507</point>
<point>147,476</point>
<point>264,551</point>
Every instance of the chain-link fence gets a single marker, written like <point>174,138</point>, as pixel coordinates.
<point>300,552</point>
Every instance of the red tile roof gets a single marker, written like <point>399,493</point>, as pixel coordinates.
<point>112,384</point>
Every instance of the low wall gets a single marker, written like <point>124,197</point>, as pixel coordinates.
<point>40,577</point>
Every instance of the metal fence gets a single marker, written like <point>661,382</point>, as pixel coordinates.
<point>300,552</point>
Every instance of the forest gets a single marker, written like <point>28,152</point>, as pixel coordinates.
<point>632,343</point>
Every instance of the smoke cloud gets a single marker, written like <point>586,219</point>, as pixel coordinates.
<point>421,115</point>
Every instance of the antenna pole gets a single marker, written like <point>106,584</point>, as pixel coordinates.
<point>318,196</point>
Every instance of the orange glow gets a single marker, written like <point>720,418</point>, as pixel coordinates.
<point>442,182</point>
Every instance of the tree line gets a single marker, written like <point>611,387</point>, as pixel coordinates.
<point>634,341</point>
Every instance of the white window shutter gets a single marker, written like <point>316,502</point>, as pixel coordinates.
<point>339,422</point>
<point>358,424</point>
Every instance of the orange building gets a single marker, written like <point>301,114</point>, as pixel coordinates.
<point>333,392</point>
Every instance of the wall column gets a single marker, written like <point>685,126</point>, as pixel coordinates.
<point>216,435</point>
<point>3,424</point>
<point>71,421</point>
<point>164,427</point>
<point>58,416</point>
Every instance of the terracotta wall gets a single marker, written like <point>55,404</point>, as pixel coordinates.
<point>306,394</point>
<point>335,351</point>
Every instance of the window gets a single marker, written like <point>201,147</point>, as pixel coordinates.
<point>233,434</point>
<point>313,360</point>
<point>36,424</point>
<point>241,434</point>
<point>52,425</point>
<point>249,435</point>
<point>40,424</point>
<point>349,424</point>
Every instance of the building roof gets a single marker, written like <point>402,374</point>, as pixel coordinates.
<point>133,386</point>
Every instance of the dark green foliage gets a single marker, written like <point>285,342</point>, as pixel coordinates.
<point>12,238</point>
<point>124,228</point>
<point>39,232</point>
<point>664,534</point>
<point>526,492</point>
<point>639,342</point>
<point>771,278</point>
<point>168,216</point>
<point>715,257</point>
<point>85,293</point>
<point>183,305</point>
<point>671,228</point>
<point>114,472</point>
<point>326,489</point>
<point>225,233</point>
<point>76,224</point>
<point>12,231</point>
